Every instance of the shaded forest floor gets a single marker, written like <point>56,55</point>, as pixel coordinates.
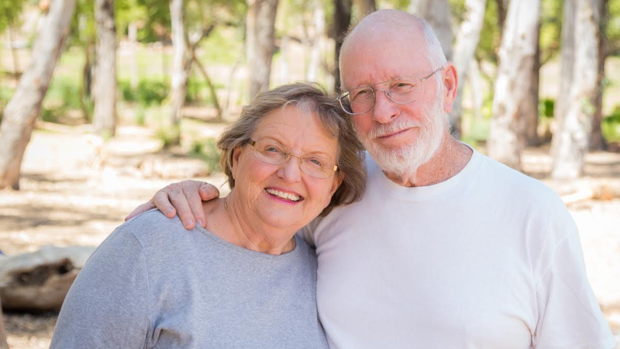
<point>75,190</point>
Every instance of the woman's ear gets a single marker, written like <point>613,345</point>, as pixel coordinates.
<point>338,177</point>
<point>235,161</point>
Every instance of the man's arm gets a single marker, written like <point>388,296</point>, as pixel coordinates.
<point>182,198</point>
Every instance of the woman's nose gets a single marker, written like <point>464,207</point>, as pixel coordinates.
<point>291,169</point>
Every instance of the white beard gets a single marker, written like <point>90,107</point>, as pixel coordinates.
<point>408,158</point>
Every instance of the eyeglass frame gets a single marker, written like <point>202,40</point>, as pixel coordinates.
<point>385,91</point>
<point>328,172</point>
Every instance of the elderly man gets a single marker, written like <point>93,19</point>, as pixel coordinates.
<point>448,248</point>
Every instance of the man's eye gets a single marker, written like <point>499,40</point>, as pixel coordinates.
<point>402,87</point>
<point>360,94</point>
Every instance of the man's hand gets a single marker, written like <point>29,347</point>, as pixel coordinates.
<point>182,198</point>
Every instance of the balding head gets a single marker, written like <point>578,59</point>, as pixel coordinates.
<point>405,30</point>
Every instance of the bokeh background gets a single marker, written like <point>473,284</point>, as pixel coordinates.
<point>102,102</point>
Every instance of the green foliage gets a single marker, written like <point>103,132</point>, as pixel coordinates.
<point>147,93</point>
<point>546,108</point>
<point>83,29</point>
<point>490,37</point>
<point>207,151</point>
<point>223,46</point>
<point>63,93</point>
<point>611,126</point>
<point>168,134</point>
<point>550,29</point>
<point>10,10</point>
<point>612,27</point>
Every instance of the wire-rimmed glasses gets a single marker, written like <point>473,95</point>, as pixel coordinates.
<point>401,90</point>
<point>272,153</point>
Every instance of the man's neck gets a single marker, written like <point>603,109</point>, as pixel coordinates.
<point>449,159</point>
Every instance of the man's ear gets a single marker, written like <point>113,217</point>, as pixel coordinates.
<point>450,82</point>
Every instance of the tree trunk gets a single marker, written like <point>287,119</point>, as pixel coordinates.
<point>530,109</point>
<point>132,32</point>
<point>104,116</point>
<point>316,42</point>
<point>260,42</point>
<point>212,90</point>
<point>514,80</point>
<point>466,43</point>
<point>3,336</point>
<point>365,7</point>
<point>180,61</point>
<point>16,68</point>
<point>566,69</point>
<point>342,20</point>
<point>597,141</point>
<point>437,14</point>
<point>501,16</point>
<point>574,131</point>
<point>24,107</point>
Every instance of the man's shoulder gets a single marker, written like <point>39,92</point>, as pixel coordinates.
<point>516,184</point>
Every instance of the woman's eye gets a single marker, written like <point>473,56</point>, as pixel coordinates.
<point>316,162</point>
<point>272,149</point>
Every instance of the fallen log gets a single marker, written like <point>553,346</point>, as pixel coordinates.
<point>39,281</point>
<point>3,337</point>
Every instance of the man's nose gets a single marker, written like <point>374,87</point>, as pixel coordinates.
<point>384,110</point>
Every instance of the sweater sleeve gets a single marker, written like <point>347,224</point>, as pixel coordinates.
<point>108,305</point>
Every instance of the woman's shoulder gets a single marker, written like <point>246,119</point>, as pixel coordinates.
<point>152,227</point>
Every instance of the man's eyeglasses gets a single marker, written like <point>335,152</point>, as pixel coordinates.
<point>401,90</point>
<point>313,165</point>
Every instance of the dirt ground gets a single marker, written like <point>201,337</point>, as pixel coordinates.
<point>75,190</point>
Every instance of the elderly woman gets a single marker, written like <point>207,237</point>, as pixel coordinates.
<point>246,281</point>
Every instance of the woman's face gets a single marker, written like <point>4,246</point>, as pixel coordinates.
<point>283,196</point>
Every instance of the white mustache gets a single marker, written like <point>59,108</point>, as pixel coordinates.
<point>396,126</point>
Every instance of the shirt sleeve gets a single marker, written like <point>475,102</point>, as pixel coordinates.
<point>569,315</point>
<point>108,304</point>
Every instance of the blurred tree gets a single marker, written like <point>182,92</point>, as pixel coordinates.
<point>437,13</point>
<point>465,47</point>
<point>513,83</point>
<point>364,7</point>
<point>342,20</point>
<point>9,14</point>
<point>3,337</point>
<point>260,39</point>
<point>180,64</point>
<point>566,67</point>
<point>573,130</point>
<point>529,110</point>
<point>104,117</point>
<point>24,107</point>
<point>597,141</point>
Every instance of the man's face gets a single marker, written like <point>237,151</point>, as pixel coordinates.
<point>399,137</point>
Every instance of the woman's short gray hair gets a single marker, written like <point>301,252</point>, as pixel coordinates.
<point>312,98</point>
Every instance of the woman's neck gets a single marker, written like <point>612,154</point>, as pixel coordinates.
<point>255,236</point>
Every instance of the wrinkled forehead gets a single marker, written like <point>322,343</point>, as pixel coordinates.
<point>298,119</point>
<point>377,50</point>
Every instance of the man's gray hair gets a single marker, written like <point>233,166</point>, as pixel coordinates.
<point>435,54</point>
